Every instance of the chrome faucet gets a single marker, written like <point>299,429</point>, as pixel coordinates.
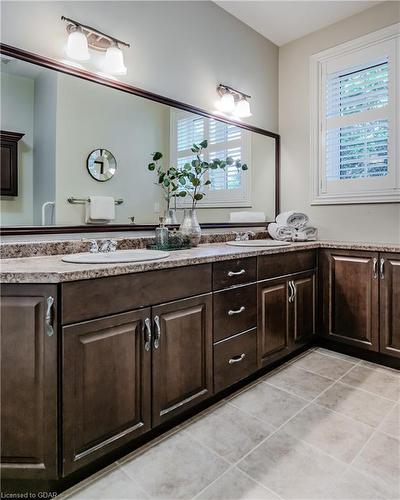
<point>105,246</point>
<point>243,236</point>
<point>108,246</point>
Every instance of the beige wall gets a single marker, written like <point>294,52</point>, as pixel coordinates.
<point>180,49</point>
<point>379,222</point>
<point>17,104</point>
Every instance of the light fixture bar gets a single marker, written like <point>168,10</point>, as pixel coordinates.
<point>92,31</point>
<point>225,88</point>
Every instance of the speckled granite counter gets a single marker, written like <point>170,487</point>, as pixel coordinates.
<point>51,269</point>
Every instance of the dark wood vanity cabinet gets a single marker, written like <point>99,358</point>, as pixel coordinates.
<point>182,356</point>
<point>389,274</point>
<point>350,297</point>
<point>106,378</point>
<point>29,446</point>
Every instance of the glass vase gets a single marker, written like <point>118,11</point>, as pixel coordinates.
<point>190,226</point>
<point>170,216</point>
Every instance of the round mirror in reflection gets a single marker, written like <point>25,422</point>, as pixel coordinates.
<point>101,165</point>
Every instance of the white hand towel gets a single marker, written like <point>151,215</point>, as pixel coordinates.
<point>307,233</point>
<point>247,217</point>
<point>281,233</point>
<point>100,209</point>
<point>293,219</point>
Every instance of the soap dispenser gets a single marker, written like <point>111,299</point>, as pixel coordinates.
<point>162,234</point>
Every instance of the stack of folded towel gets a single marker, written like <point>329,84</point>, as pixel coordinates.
<point>292,226</point>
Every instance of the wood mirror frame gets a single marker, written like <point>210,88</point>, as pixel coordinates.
<point>46,62</point>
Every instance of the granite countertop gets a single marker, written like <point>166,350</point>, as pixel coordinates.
<point>51,269</point>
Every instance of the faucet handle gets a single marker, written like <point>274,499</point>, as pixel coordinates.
<point>112,246</point>
<point>94,247</point>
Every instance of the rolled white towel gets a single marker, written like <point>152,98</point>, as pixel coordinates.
<point>281,233</point>
<point>293,219</point>
<point>307,233</point>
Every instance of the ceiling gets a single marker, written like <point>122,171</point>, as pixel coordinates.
<point>284,21</point>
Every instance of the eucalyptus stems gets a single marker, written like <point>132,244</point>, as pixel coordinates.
<point>193,179</point>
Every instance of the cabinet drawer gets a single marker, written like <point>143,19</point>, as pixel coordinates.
<point>271,266</point>
<point>234,359</point>
<point>127,292</point>
<point>234,272</point>
<point>235,310</point>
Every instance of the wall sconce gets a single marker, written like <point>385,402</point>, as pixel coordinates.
<point>233,102</point>
<point>82,37</point>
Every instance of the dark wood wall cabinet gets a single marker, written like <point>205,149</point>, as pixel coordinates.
<point>9,163</point>
<point>150,346</point>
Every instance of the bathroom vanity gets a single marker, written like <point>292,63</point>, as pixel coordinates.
<point>95,357</point>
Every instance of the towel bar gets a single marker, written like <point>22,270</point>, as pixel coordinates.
<point>82,201</point>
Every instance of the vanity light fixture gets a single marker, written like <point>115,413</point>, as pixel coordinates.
<point>233,102</point>
<point>82,37</point>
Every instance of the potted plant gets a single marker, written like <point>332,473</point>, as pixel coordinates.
<point>168,180</point>
<point>192,181</point>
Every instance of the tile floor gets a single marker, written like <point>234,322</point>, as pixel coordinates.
<point>323,426</point>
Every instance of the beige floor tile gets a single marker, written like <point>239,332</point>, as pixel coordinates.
<point>335,354</point>
<point>178,467</point>
<point>299,382</point>
<point>291,468</point>
<point>354,485</point>
<point>332,433</point>
<point>356,404</point>
<point>381,459</point>
<point>327,366</point>
<point>391,424</point>
<point>229,432</point>
<point>269,403</point>
<point>112,486</point>
<point>234,485</point>
<point>376,381</point>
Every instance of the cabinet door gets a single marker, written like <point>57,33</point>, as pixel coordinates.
<point>350,297</point>
<point>106,386</point>
<point>303,310</point>
<point>273,319</point>
<point>28,382</point>
<point>182,356</point>
<point>390,304</point>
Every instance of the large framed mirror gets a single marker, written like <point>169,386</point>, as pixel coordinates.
<point>65,113</point>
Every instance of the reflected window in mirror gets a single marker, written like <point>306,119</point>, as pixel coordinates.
<point>229,187</point>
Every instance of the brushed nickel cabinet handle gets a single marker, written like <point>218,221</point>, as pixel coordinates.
<point>375,267</point>
<point>382,269</point>
<point>291,291</point>
<point>49,317</point>
<point>237,273</point>
<point>231,312</point>
<point>147,334</point>
<point>158,333</point>
<point>294,291</point>
<point>237,359</point>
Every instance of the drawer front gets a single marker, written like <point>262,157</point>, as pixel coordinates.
<point>234,272</point>
<point>235,310</point>
<point>271,266</point>
<point>235,359</point>
<point>89,299</point>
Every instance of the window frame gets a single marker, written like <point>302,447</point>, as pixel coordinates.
<point>221,198</point>
<point>383,189</point>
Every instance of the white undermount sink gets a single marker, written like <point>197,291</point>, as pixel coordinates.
<point>258,243</point>
<point>115,257</point>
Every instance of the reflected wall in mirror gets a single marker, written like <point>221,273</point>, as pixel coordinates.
<point>63,118</point>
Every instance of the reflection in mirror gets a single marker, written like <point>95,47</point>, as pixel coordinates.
<point>64,119</point>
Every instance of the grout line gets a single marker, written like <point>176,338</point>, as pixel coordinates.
<point>395,401</point>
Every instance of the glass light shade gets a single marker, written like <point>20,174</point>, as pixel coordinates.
<point>227,103</point>
<point>77,45</point>
<point>242,109</point>
<point>114,61</point>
